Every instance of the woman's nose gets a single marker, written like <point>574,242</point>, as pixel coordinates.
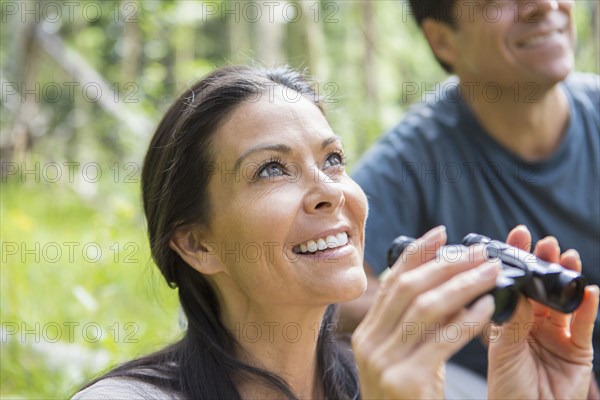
<point>325,193</point>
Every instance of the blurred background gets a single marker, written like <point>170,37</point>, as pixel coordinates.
<point>83,83</point>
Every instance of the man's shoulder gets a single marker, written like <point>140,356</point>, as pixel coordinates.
<point>435,118</point>
<point>584,80</point>
<point>584,85</point>
<point>425,124</point>
<point>426,130</point>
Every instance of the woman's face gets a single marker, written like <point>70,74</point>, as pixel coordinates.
<point>280,192</point>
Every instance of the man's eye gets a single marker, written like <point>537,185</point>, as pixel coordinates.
<point>271,170</point>
<point>334,160</point>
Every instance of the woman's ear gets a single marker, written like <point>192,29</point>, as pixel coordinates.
<point>191,247</point>
<point>442,40</point>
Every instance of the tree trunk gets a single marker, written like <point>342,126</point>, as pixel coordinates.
<point>22,75</point>
<point>132,50</point>
<point>316,41</point>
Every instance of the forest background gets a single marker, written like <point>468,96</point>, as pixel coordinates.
<point>83,84</point>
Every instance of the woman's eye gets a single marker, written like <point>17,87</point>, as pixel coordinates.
<point>334,160</point>
<point>271,170</point>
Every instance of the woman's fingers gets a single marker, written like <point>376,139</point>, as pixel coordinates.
<point>430,312</point>
<point>556,319</point>
<point>582,325</point>
<point>422,250</point>
<point>570,259</point>
<point>520,237</point>
<point>444,302</point>
<point>548,249</point>
<point>393,346</point>
<point>401,292</point>
<point>416,371</point>
<point>418,252</point>
<point>466,325</point>
<point>550,323</point>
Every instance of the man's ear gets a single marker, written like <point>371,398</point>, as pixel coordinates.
<point>200,255</point>
<point>442,40</point>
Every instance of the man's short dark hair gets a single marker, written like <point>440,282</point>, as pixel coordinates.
<point>439,10</point>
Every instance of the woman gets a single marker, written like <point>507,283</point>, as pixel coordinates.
<point>253,218</point>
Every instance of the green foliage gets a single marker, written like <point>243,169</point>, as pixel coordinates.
<point>68,313</point>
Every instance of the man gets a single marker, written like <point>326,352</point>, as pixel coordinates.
<point>516,140</point>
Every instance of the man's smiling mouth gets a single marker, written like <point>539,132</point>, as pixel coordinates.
<point>540,39</point>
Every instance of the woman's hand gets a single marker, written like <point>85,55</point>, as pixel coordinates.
<point>419,319</point>
<point>542,353</point>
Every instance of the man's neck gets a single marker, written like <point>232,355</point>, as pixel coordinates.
<point>529,122</point>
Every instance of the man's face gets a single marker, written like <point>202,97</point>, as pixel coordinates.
<point>511,42</point>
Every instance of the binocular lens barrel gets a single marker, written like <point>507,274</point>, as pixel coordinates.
<point>397,248</point>
<point>548,283</point>
<point>562,291</point>
<point>569,293</point>
<point>506,298</point>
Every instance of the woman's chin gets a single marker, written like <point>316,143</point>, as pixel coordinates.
<point>350,285</point>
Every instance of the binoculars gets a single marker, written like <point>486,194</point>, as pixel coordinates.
<point>522,273</point>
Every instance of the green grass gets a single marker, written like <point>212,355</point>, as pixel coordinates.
<point>68,314</point>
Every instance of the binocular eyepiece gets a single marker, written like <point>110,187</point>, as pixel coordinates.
<point>522,273</point>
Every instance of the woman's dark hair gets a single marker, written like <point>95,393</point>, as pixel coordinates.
<point>439,10</point>
<point>175,177</point>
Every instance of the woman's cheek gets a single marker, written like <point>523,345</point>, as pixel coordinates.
<point>361,201</point>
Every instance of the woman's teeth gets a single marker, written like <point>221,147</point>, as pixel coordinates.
<point>329,242</point>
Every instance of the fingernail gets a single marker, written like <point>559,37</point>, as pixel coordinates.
<point>572,253</point>
<point>549,239</point>
<point>435,234</point>
<point>489,269</point>
<point>595,289</point>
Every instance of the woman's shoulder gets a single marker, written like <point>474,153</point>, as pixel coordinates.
<point>123,388</point>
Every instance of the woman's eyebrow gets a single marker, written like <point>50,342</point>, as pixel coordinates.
<point>280,148</point>
<point>331,140</point>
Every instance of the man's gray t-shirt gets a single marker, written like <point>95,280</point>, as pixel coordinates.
<point>440,167</point>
